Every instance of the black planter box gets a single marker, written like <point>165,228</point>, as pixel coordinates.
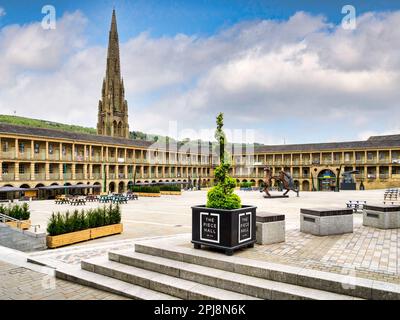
<point>227,230</point>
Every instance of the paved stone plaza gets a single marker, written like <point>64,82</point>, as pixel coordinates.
<point>367,252</point>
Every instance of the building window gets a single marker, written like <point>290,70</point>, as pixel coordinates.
<point>64,150</point>
<point>36,168</point>
<point>21,169</point>
<point>51,150</point>
<point>5,168</point>
<point>21,147</point>
<point>5,146</point>
<point>51,170</point>
<point>37,148</point>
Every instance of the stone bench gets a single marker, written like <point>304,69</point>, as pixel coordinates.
<point>382,216</point>
<point>270,228</point>
<point>326,221</point>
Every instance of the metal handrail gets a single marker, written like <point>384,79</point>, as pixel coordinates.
<point>5,218</point>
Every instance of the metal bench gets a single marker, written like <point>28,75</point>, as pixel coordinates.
<point>78,202</point>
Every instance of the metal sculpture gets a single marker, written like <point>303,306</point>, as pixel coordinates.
<point>283,177</point>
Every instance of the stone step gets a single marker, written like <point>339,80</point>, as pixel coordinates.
<point>243,284</point>
<point>343,284</point>
<point>180,288</point>
<point>108,284</point>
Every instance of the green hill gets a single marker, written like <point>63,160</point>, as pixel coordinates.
<point>137,135</point>
<point>45,124</point>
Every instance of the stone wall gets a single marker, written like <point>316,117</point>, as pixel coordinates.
<point>26,240</point>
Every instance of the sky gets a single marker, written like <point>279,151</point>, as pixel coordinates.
<point>281,71</point>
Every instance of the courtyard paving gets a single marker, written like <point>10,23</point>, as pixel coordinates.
<point>367,252</point>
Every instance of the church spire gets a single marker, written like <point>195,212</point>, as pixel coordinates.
<point>113,108</point>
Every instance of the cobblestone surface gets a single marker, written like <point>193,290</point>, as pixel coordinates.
<point>367,252</point>
<point>18,283</point>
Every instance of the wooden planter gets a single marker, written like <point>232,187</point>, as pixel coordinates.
<point>84,235</point>
<point>68,238</point>
<point>23,224</point>
<point>171,193</point>
<point>106,231</point>
<point>145,194</point>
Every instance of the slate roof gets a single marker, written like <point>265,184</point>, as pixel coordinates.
<point>374,142</point>
<point>60,134</point>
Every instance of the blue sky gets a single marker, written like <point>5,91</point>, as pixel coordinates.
<point>169,17</point>
<point>266,64</point>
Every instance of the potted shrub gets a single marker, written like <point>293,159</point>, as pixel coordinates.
<point>223,223</point>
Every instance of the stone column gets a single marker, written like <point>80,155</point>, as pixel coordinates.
<point>60,151</point>
<point>32,149</point>
<point>16,149</point>
<point>73,170</point>
<point>61,171</point>
<point>47,170</point>
<point>85,167</point>
<point>47,151</point>
<point>16,171</point>
<point>125,169</point>
<point>90,171</point>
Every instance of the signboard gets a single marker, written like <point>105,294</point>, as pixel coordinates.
<point>209,227</point>
<point>244,227</point>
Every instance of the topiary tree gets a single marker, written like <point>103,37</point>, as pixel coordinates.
<point>222,195</point>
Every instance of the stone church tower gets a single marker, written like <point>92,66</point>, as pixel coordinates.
<point>113,108</point>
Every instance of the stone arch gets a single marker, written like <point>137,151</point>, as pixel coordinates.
<point>129,185</point>
<point>326,180</point>
<point>305,186</point>
<point>120,129</point>
<point>121,187</point>
<point>97,190</point>
<point>115,128</point>
<point>25,186</point>
<point>111,187</point>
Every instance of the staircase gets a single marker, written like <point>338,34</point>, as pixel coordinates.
<point>157,271</point>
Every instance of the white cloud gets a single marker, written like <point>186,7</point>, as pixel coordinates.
<point>2,12</point>
<point>272,76</point>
